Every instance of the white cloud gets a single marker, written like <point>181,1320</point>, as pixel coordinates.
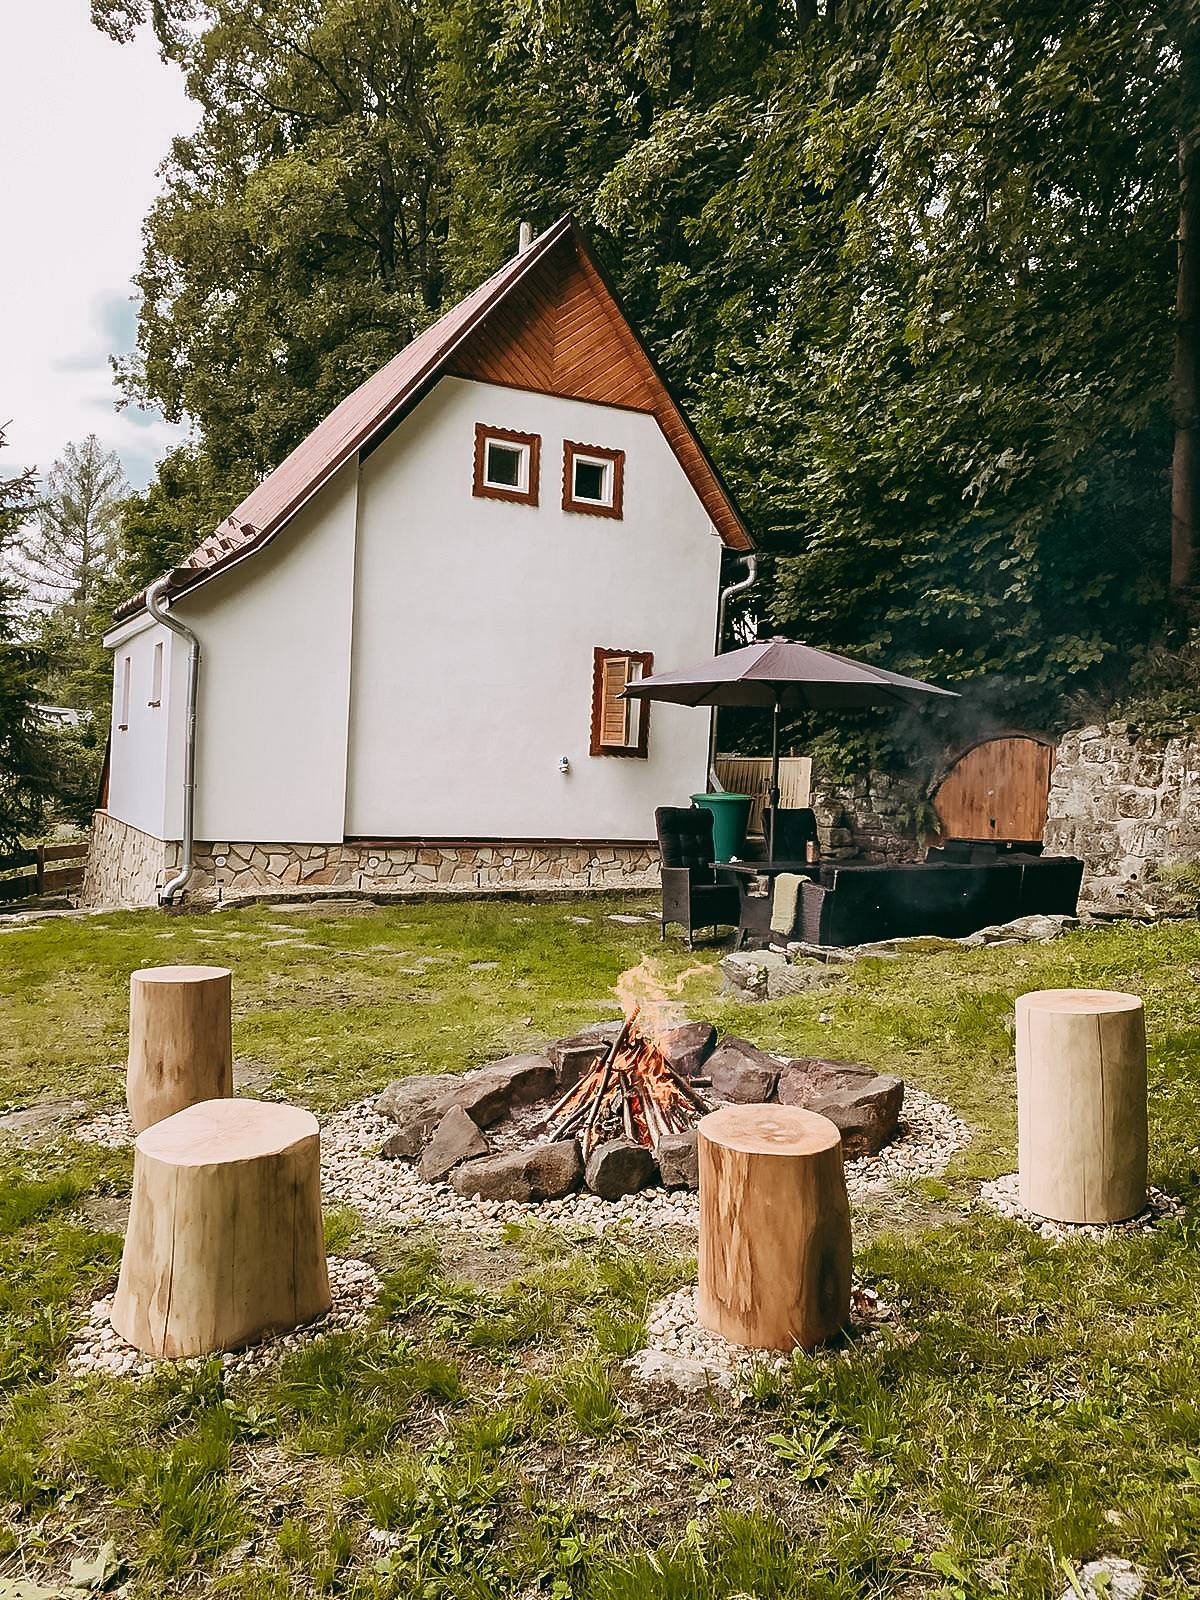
<point>84,124</point>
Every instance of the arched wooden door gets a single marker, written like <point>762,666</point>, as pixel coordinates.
<point>997,790</point>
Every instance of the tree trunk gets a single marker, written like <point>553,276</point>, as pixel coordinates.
<point>180,1040</point>
<point>225,1240</point>
<point>775,1254</point>
<point>1081,1104</point>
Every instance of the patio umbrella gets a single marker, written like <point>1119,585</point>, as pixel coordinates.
<point>779,675</point>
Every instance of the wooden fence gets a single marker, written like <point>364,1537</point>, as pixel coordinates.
<point>26,874</point>
<point>752,775</point>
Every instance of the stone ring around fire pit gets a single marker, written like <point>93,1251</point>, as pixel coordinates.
<point>614,1109</point>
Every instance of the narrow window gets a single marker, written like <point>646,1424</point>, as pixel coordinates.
<point>156,678</point>
<point>506,465</point>
<point>126,679</point>
<point>619,727</point>
<point>593,479</point>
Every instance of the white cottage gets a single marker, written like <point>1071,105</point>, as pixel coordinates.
<point>412,634</point>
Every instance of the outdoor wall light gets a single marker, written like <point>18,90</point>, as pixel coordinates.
<point>564,763</point>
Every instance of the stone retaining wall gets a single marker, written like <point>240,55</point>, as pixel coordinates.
<point>1128,804</point>
<point>126,867</point>
<point>872,818</point>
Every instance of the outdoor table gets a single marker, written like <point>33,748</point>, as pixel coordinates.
<point>754,920</point>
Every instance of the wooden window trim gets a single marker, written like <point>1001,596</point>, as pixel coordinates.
<point>598,748</point>
<point>488,491</point>
<point>589,508</point>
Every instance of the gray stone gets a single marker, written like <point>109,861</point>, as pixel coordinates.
<point>456,1138</point>
<point>688,1046</point>
<point>864,1105</point>
<point>745,976</point>
<point>500,1087</point>
<point>1109,1578</point>
<point>543,1172</point>
<point>678,1162</point>
<point>867,1116</point>
<point>45,1118</point>
<point>742,1072</point>
<point>619,1167</point>
<point>416,1105</point>
<point>595,1040</point>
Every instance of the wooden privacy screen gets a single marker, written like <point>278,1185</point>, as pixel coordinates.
<point>997,790</point>
<point>752,775</point>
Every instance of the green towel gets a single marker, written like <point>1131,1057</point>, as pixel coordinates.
<point>785,903</point>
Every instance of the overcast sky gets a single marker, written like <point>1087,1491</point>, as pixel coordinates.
<point>84,124</point>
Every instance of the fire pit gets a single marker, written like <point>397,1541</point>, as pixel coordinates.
<point>614,1109</point>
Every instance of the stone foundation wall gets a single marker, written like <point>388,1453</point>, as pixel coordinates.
<point>1128,805</point>
<point>125,867</point>
<point>873,818</point>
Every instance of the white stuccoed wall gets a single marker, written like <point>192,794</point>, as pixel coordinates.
<point>274,680</point>
<point>140,764</point>
<point>475,623</point>
<point>405,660</point>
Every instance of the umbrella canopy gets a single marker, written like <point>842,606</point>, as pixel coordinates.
<point>780,675</point>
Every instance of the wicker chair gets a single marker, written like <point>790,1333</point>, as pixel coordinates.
<point>692,896</point>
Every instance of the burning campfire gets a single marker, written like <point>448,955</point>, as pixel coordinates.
<point>632,1092</point>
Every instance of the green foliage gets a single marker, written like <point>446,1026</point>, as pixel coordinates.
<point>911,266</point>
<point>25,765</point>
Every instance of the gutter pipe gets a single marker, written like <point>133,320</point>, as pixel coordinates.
<point>739,587</point>
<point>155,596</point>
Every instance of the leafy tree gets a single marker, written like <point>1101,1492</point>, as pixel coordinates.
<point>25,774</point>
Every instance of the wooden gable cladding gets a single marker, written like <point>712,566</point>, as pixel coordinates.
<point>559,334</point>
<point>562,331</point>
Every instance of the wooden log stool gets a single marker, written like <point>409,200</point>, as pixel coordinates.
<point>775,1254</point>
<point>180,1040</point>
<point>1081,1104</point>
<point>225,1240</point>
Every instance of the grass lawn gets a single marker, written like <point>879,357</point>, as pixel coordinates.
<point>1031,1407</point>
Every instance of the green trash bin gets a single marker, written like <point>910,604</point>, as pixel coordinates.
<point>730,814</point>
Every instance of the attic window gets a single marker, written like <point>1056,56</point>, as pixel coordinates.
<point>593,479</point>
<point>619,727</point>
<point>506,465</point>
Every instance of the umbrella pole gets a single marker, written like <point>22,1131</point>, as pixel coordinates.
<point>774,778</point>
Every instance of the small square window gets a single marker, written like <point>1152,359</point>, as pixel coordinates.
<point>593,479</point>
<point>506,465</point>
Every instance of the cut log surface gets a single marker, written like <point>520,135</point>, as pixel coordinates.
<point>180,1040</point>
<point>1081,1104</point>
<point>775,1253</point>
<point>225,1241</point>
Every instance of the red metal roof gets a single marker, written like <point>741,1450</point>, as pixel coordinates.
<point>352,424</point>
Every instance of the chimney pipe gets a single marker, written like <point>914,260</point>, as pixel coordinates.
<point>524,238</point>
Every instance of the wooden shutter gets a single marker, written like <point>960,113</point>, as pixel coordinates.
<point>614,713</point>
<point>619,727</point>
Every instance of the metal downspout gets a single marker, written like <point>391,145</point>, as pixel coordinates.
<point>739,587</point>
<point>154,598</point>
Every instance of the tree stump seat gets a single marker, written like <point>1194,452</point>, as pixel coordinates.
<point>180,1040</point>
<point>225,1240</point>
<point>1081,1104</point>
<point>775,1251</point>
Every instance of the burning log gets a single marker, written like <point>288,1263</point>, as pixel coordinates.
<point>632,1092</point>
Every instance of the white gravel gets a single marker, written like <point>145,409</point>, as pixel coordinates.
<point>98,1347</point>
<point>1002,1195</point>
<point>681,1353</point>
<point>353,1173</point>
